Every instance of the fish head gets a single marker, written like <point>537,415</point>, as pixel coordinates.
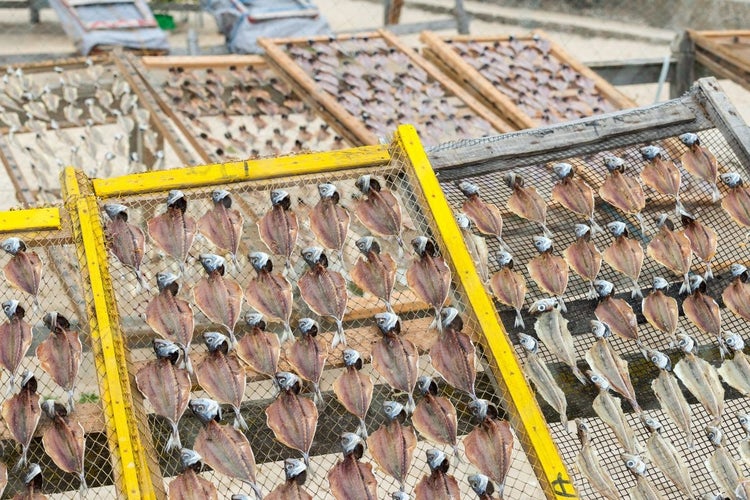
<point>221,196</point>
<point>13,245</point>
<point>617,228</point>
<point>295,470</point>
<point>213,263</point>
<point>365,183</point>
<point>542,244</point>
<point>686,217</point>
<point>481,409</point>
<point>167,281</point>
<point>260,261</point>
<point>504,259</point>
<point>663,221</point>
<point>400,495</point>
<point>658,359</point>
<point>463,221</point>
<point>650,423</point>
<point>327,191</point>
<point>116,211</point>
<point>315,256</point>
<point>634,463</point>
<point>33,476</point>
<point>388,323</point>
<point>468,188</point>
<point>513,180</point>
<point>604,288</point>
<point>614,163</point>
<point>697,284</point>
<point>731,179</point>
<point>690,139</point>
<point>352,358</point>
<point>205,409</point>
<point>563,170</point>
<point>582,231</point>
<point>191,459</point>
<point>281,198</point>
<point>255,320</point>
<point>12,309</point>
<point>598,380</point>
<point>424,246</point>
<point>28,381</point>
<point>451,319</point>
<point>583,431</point>
<point>733,341</point>
<point>685,343</point>
<point>544,305</point>
<point>437,460</point>
<point>56,322</point>
<point>394,411</point>
<point>481,484</point>
<point>352,444</point>
<point>660,284</point>
<point>48,407</point>
<point>288,381</point>
<point>216,341</point>
<point>715,435</point>
<point>176,199</point>
<point>368,244</point>
<point>650,153</point>
<point>308,326</point>
<point>426,385</point>
<point>744,420</point>
<point>164,349</point>
<point>528,342</point>
<point>738,271</point>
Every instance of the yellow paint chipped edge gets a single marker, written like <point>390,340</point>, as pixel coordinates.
<point>31,219</point>
<point>528,414</point>
<point>223,173</point>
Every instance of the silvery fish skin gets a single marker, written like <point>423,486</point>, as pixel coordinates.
<point>489,446</point>
<point>552,330</point>
<point>354,389</point>
<point>700,162</point>
<point>703,241</point>
<point>308,355</point>
<point>486,216</point>
<point>736,295</point>
<point>574,193</point>
<point>174,230</point>
<point>351,479</point>
<point>168,390</point>
<point>744,445</point>
<point>703,311</point>
<point>476,246</point>
<point>625,255</point>
<point>222,224</point>
<point>329,221</point>
<point>295,472</point>
<point>453,354</point>
<point>526,202</point>
<point>439,485</point>
<point>396,359</point>
<point>217,296</point>
<point>270,293</point>
<point>171,317</point>
<point>609,409</point>
<point>538,373</point>
<point>259,349</point>
<point>644,490</point>
<point>435,416</point>
<point>222,376</point>
<point>126,241</point>
<point>660,309</point>
<point>588,463</point>
<point>292,418</point>
<point>378,209</point>
<point>429,276</point>
<point>616,313</point>
<point>15,340</point>
<point>737,201</point>
<point>584,259</point>
<point>670,396</point>
<point>24,269</point>
<point>603,360</point>
<point>65,441</point>
<point>736,370</point>
<point>622,191</point>
<point>279,228</point>
<point>666,458</point>
<point>549,271</point>
<point>21,413</point>
<point>324,291</point>
<point>60,354</point>
<point>726,473</point>
<point>375,271</point>
<point>701,379</point>
<point>672,250</point>
<point>509,287</point>
<point>661,174</point>
<point>392,445</point>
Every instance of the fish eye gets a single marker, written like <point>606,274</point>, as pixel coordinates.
<point>630,463</point>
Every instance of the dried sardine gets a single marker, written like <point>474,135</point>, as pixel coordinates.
<point>616,313</point>
<point>171,317</point>
<point>489,446</point>
<point>378,209</point>
<point>622,191</point>
<point>222,224</point>
<point>700,378</point>
<point>509,287</point>
<point>24,269</point>
<point>538,373</point>
<point>439,485</point>
<point>222,376</point>
<point>574,193</point>
<point>174,230</point>
<point>665,457</point>
<point>609,409</point>
<point>661,175</point>
<point>60,354</point>
<point>392,445</point>
<point>552,330</point>
<point>589,465</point>
<point>429,276</point>
<point>549,271</point>
<point>308,355</point>
<point>269,292</point>
<point>700,162</point>
<point>584,258</point>
<point>660,310</point>
<point>374,272</point>
<point>736,370</point>
<point>486,216</point>
<point>354,389</point>
<point>435,416</point>
<point>21,413</point>
<point>476,245</point>
<point>217,296</point>
<point>279,228</point>
<point>603,360</point>
<point>293,419</point>
<point>324,291</point>
<point>625,255</point>
<point>15,340</point>
<point>351,479</point>
<point>126,241</point>
<point>526,203</point>
<point>64,441</point>
<point>395,358</point>
<point>329,221</point>
<point>258,349</point>
<point>453,355</point>
<point>672,250</point>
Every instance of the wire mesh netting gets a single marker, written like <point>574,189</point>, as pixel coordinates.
<point>251,199</point>
<point>59,291</point>
<point>518,234</point>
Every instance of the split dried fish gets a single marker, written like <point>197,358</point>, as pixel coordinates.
<point>24,269</point>
<point>15,340</point>
<point>549,271</point>
<point>392,445</point>
<point>126,241</point>
<point>486,216</point>
<point>64,441</point>
<point>574,193</point>
<point>526,202</point>
<point>217,296</point>
<point>293,419</point>
<point>453,354</point>
<point>174,230</point>
<point>538,373</point>
<point>584,258</point>
<point>374,272</point>
<point>703,241</point>
<point>661,175</point>
<point>354,389</point>
<point>171,317</point>
<point>603,360</point>
<point>439,485</point>
<point>435,416</point>
<point>643,489</point>
<point>222,225</point>
<point>351,479</point>
<point>700,378</point>
<point>744,445</point>
<point>700,162</point>
<point>395,358</point>
<point>616,313</point>
<point>665,457</point>
<point>324,291</point>
<point>489,446</point>
<point>60,354</point>
<point>308,355</point>
<point>736,295</point>
<point>552,330</point>
<point>378,209</point>
<point>670,396</point>
<point>590,466</point>
<point>703,311</point>
<point>737,201</point>
<point>736,370</point>
<point>622,191</point>
<point>476,246</point>
<point>329,221</point>
<point>625,255</point>
<point>609,409</point>
<point>661,310</point>
<point>222,376</point>
<point>270,293</point>
<point>258,349</point>
<point>429,276</point>
<point>672,250</point>
<point>189,485</point>
<point>279,228</point>
<point>295,474</point>
<point>509,287</point>
<point>21,413</point>
<point>482,486</point>
<point>726,473</point>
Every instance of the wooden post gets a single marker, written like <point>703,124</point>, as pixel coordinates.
<point>683,51</point>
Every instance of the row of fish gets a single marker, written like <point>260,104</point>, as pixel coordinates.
<point>382,87</point>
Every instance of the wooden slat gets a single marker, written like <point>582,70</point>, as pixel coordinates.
<point>727,118</point>
<point>197,62</point>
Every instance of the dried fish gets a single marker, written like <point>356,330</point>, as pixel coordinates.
<point>574,193</point>
<point>189,485</point>
<point>549,271</point>
<point>744,445</point>
<point>24,269</point>
<point>278,228</point>
<point>665,457</point>
<point>379,209</point>
<point>661,175</point>
<point>703,311</point>
<point>308,355</point>
<point>584,258</point>
<point>700,162</point>
<point>661,310</point>
<point>552,330</point>
<point>482,486</point>
<point>526,202</point>
<point>395,358</point>
<point>354,389</point>
<point>324,291</point>
<point>489,446</point>
<point>486,216</point>
<point>625,255</point>
<point>126,241</point>
<point>736,371</point>
<point>700,378</point>
<point>171,317</point>
<point>60,354</point>
<point>429,276</point>
<point>269,292</point>
<point>589,465</point>
<point>259,349</point>
<point>609,409</point>
<point>293,419</point>
<point>222,225</point>
<point>392,445</point>
<point>21,414</point>
<point>329,221</point>
<point>453,354</point>
<point>64,441</point>
<point>672,250</point>
<point>439,485</point>
<point>536,371</point>
<point>32,479</point>
<point>622,191</point>
<point>703,241</point>
<point>435,416</point>
<point>224,448</point>
<point>351,479</point>
<point>603,360</point>
<point>509,286</point>
<point>374,272</point>
<point>174,230</point>
<point>15,340</point>
<point>736,295</point>
<point>476,246</point>
<point>295,474</point>
<point>726,473</point>
<point>222,376</point>
<point>670,396</point>
<point>643,489</point>
<point>217,296</point>
<point>616,313</point>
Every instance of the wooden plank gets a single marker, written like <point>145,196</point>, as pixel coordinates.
<point>727,119</point>
<point>721,50</point>
<point>633,71</point>
<point>684,52</point>
<point>197,62</point>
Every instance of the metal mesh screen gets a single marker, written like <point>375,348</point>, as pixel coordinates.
<point>252,200</point>
<point>60,291</point>
<point>518,234</point>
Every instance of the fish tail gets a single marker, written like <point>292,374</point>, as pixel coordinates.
<point>11,385</point>
<point>595,227</point>
<point>318,396</point>
<point>519,320</point>
<point>400,242</point>
<point>84,488</point>
<point>235,261</point>
<point>71,400</point>
<point>579,375</point>
<point>690,439</point>
<point>546,231</point>
<point>715,193</point>
<point>362,429</point>
<point>438,324</point>
<point>563,308</point>
<point>341,258</point>
<point>187,363</point>
<point>290,269</point>
<point>174,442</point>
<point>457,454</point>
<point>564,420</point>
<point>239,420</point>
<point>256,490</point>
<point>141,280</point>
<point>592,292</point>
<point>410,404</point>
<point>635,290</point>
<point>709,274</point>
<point>388,307</point>
<point>287,333</point>
<point>503,245</point>
<point>642,223</point>
<point>685,288</point>
<point>306,458</point>
<point>21,461</point>
<point>181,266</point>
<point>339,337</point>
<point>36,304</point>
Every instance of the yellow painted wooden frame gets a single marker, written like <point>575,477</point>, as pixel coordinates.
<point>528,419</point>
<point>32,219</point>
